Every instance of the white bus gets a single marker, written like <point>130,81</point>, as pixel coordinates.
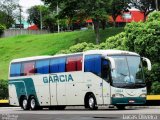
<point>90,79</point>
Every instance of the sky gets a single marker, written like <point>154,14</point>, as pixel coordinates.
<point>26,4</point>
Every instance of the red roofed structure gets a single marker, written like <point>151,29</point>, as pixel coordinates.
<point>132,15</point>
<point>33,27</point>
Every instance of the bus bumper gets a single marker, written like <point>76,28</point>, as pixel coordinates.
<point>128,101</point>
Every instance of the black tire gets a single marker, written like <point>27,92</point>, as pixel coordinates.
<point>120,107</point>
<point>91,102</point>
<point>24,104</point>
<point>33,103</point>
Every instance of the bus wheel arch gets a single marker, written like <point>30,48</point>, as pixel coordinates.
<point>90,101</point>
<point>23,101</point>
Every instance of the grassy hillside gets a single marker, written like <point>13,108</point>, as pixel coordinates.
<point>49,44</point>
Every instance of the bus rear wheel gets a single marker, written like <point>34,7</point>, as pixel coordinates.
<point>92,104</point>
<point>24,104</point>
<point>33,103</point>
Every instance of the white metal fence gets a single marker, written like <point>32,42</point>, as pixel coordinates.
<point>15,32</point>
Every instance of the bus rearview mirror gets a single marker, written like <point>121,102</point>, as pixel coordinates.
<point>148,63</point>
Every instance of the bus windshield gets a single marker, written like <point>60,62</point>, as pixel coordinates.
<point>128,72</point>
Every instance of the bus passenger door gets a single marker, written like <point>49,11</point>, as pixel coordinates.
<point>106,92</point>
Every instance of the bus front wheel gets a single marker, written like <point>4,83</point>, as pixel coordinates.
<point>92,104</point>
<point>24,104</point>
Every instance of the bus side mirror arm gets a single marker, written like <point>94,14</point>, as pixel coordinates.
<point>148,63</point>
<point>113,66</point>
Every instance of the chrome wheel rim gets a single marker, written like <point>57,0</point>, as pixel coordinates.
<point>91,102</point>
<point>24,103</point>
<point>33,103</point>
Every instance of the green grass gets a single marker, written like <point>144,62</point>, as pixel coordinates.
<point>48,44</point>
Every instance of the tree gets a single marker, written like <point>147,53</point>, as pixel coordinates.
<point>5,19</point>
<point>1,29</point>
<point>158,2</point>
<point>145,6</point>
<point>155,88</point>
<point>117,8</point>
<point>97,10</point>
<point>48,17</point>
<point>3,89</point>
<point>7,8</point>
<point>35,13</point>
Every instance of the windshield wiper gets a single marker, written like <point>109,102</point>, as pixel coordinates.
<point>122,74</point>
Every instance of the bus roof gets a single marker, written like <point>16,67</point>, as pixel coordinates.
<point>102,52</point>
<point>30,58</point>
<point>111,52</point>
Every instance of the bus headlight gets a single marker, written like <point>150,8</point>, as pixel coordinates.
<point>142,95</point>
<point>117,95</point>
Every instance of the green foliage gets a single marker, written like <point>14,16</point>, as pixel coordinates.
<point>2,28</point>
<point>115,42</point>
<point>6,19</point>
<point>82,9</point>
<point>35,12</point>
<point>155,88</point>
<point>132,31</point>
<point>152,76</point>
<point>48,17</point>
<point>3,89</point>
<point>154,16</point>
<point>7,12</point>
<point>79,48</point>
<point>144,38</point>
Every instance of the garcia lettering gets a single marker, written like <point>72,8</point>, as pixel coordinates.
<point>54,78</point>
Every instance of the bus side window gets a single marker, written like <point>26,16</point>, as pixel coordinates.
<point>42,66</point>
<point>92,64</point>
<point>105,70</point>
<point>28,68</point>
<point>79,63</point>
<point>74,63</point>
<point>15,69</point>
<point>57,65</point>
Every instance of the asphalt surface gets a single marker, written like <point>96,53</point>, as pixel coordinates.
<point>79,113</point>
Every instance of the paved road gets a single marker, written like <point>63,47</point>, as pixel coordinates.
<point>79,113</point>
